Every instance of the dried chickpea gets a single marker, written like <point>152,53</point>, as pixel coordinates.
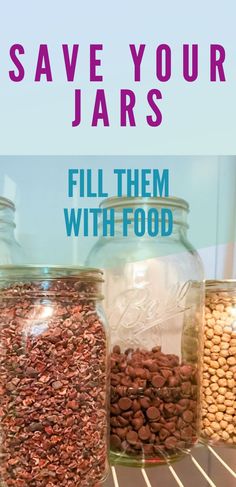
<point>219,368</point>
<point>218,330</point>
<point>210,417</point>
<point>229,402</point>
<point>230,429</point>
<point>220,308</point>
<point>221,361</point>
<point>224,353</point>
<point>223,424</point>
<point>221,407</point>
<point>225,338</point>
<point>220,373</point>
<point>219,416</point>
<point>224,346</point>
<point>225,435</point>
<point>209,333</point>
<point>216,339</point>
<point>220,399</point>
<point>230,410</point>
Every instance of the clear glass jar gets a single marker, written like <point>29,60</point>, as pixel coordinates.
<point>53,377</point>
<point>153,299</point>
<point>218,425</point>
<point>10,250</point>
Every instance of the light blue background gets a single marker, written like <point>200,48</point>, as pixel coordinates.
<point>38,185</point>
<point>198,118</point>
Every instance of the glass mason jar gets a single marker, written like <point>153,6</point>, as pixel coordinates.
<point>218,424</point>
<point>153,299</point>
<point>10,250</point>
<point>53,377</point>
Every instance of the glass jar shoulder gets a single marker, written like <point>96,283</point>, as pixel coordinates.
<point>10,252</point>
<point>109,252</point>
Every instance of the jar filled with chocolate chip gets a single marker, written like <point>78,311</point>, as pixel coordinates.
<point>53,377</point>
<point>218,424</point>
<point>154,302</point>
<point>10,250</point>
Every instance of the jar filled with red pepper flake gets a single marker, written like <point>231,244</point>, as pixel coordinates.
<point>53,377</point>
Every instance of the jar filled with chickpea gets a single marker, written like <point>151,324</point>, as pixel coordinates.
<point>218,423</point>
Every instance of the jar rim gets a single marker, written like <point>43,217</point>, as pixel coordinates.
<point>46,272</point>
<point>7,203</point>
<point>211,282</point>
<point>220,284</point>
<point>116,201</point>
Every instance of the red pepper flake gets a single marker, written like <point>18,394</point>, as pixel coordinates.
<point>53,385</point>
<point>49,430</point>
<point>73,405</point>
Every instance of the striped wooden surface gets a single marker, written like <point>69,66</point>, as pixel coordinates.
<point>206,466</point>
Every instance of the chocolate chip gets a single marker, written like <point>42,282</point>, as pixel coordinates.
<point>158,393</point>
<point>132,437</point>
<point>188,416</point>
<point>115,441</point>
<point>186,388</point>
<point>145,402</point>
<point>137,423</point>
<point>122,421</point>
<point>163,433</point>
<point>142,373</point>
<point>115,409</point>
<point>169,410</point>
<point>155,427</point>
<point>167,373</point>
<point>122,432</point>
<point>150,365</point>
<point>148,450</point>
<point>170,426</point>
<point>158,381</point>
<point>186,433</point>
<point>114,422</point>
<point>171,442</point>
<point>136,406</point>
<point>121,390</point>
<point>153,413</point>
<point>127,414</point>
<point>124,403</point>
<point>185,403</point>
<point>125,381</point>
<point>130,371</point>
<point>186,371</point>
<point>116,349</point>
<point>173,381</point>
<point>139,414</point>
<point>144,433</point>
